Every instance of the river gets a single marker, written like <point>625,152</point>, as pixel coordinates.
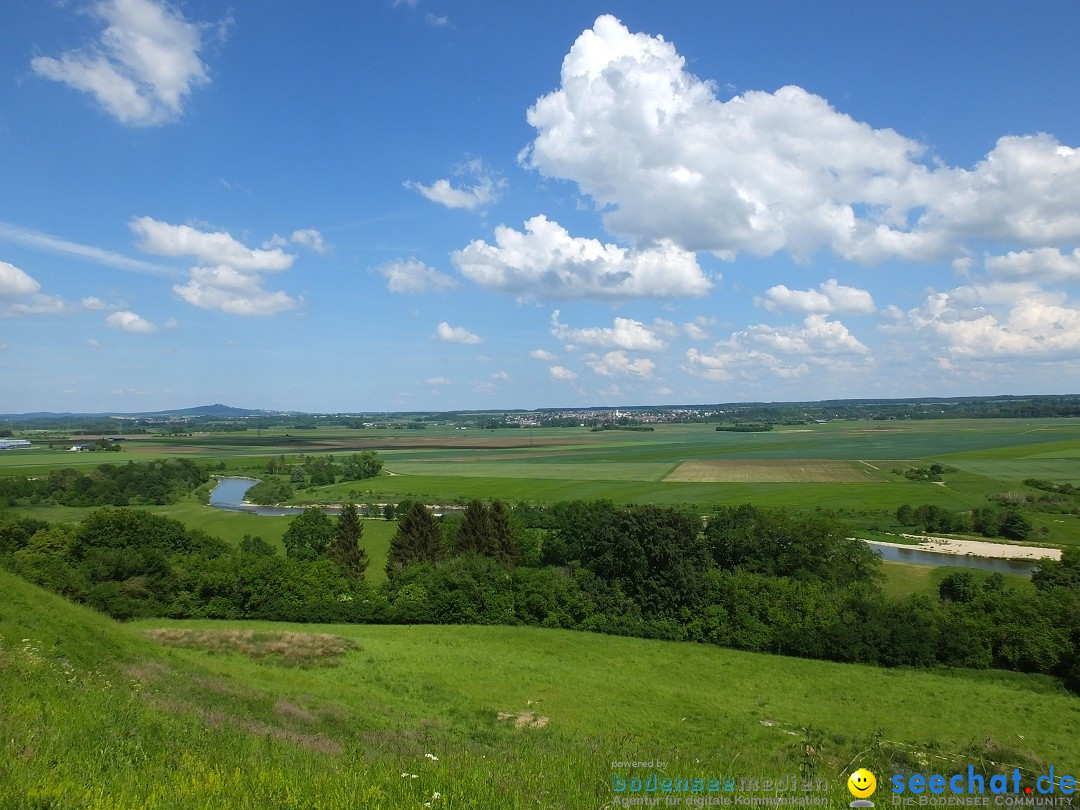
<point>229,495</point>
<point>919,557</point>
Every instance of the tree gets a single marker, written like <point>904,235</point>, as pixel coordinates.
<point>388,511</point>
<point>323,471</point>
<point>780,543</point>
<point>256,545</point>
<point>905,515</point>
<point>1063,573</point>
<point>309,535</point>
<point>507,551</point>
<point>653,554</point>
<point>959,586</point>
<point>361,465</point>
<point>575,523</point>
<point>417,539</point>
<point>476,533</point>
<point>345,548</point>
<point>1015,525</point>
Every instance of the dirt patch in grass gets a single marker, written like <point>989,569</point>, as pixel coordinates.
<point>776,471</point>
<point>294,712</point>
<point>216,718</point>
<point>146,671</point>
<point>286,649</point>
<point>523,719</point>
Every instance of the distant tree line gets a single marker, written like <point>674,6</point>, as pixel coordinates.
<point>131,484</point>
<point>764,580</point>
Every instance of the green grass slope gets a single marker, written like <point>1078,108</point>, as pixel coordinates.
<point>209,715</point>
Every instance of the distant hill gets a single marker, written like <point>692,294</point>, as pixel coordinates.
<point>215,410</point>
<point>210,410</point>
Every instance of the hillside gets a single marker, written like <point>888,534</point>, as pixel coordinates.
<point>102,715</point>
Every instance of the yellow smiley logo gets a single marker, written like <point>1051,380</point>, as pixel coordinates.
<point>862,784</point>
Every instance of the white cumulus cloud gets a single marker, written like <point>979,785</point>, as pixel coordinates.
<point>210,247</point>
<point>782,351</point>
<point>831,298</point>
<point>228,276</point>
<point>310,238</point>
<point>456,334</point>
<point>1046,264</point>
<point>130,322</point>
<point>143,66</point>
<point>543,354</point>
<point>625,333</point>
<point>545,261</point>
<point>413,276</point>
<point>484,188</point>
<point>559,373</point>
<point>667,159</point>
<point>16,283</point>
<point>232,291</point>
<point>998,320</point>
<point>618,364</point>
<point>697,328</point>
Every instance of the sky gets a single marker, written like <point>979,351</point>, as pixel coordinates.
<point>405,205</point>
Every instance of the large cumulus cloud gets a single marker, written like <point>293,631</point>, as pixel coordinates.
<point>667,159</point>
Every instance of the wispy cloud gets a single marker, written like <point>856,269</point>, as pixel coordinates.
<point>31,238</point>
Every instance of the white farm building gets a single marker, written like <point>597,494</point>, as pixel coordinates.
<point>14,444</point>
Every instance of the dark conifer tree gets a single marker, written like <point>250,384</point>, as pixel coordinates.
<point>417,539</point>
<point>476,533</point>
<point>345,548</point>
<point>507,551</point>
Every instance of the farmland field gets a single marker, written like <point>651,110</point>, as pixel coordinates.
<point>769,471</point>
<point>854,467</point>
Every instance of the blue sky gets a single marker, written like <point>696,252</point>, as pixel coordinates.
<point>411,205</point>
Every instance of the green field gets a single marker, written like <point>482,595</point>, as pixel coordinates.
<point>855,467</point>
<point>99,715</point>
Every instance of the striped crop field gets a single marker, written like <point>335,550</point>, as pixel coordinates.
<point>779,471</point>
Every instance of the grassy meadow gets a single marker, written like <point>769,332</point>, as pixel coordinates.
<point>160,714</point>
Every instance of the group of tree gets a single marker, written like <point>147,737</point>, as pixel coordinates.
<point>932,473</point>
<point>145,483</point>
<point>313,535</point>
<point>129,563</point>
<point>776,581</point>
<point>312,471</point>
<point>1008,522</point>
<point>316,471</point>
